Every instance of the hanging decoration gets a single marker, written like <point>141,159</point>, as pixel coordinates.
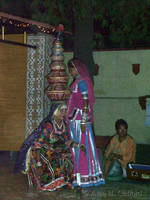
<point>23,24</point>
<point>14,24</point>
<point>142,101</point>
<point>135,68</point>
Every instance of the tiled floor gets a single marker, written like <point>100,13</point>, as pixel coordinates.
<point>14,187</point>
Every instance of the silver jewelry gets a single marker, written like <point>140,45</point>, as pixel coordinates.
<point>38,164</point>
<point>59,129</point>
<point>84,118</point>
<point>85,96</point>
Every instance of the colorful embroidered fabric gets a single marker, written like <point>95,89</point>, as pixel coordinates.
<point>55,157</point>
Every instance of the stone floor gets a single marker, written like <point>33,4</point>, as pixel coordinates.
<point>14,187</point>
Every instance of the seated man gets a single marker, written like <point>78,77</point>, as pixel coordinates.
<point>120,151</point>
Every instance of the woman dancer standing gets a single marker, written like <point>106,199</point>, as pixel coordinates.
<point>87,170</point>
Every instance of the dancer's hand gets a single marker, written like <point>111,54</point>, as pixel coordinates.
<point>73,144</point>
<point>82,147</point>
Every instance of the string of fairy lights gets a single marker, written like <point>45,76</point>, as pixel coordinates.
<point>24,26</point>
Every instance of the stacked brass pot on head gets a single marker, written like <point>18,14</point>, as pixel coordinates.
<point>57,78</point>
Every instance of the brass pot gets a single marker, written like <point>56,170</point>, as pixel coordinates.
<point>57,79</point>
<point>57,57</point>
<point>57,66</point>
<point>57,95</point>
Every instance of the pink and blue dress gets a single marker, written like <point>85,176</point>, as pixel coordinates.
<point>87,170</point>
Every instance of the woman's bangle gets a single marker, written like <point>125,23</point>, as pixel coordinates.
<point>38,164</point>
<point>84,117</point>
<point>85,108</point>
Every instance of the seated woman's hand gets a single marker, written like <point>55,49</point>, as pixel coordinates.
<point>69,155</point>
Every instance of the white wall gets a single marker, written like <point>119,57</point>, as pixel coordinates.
<point>117,90</point>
